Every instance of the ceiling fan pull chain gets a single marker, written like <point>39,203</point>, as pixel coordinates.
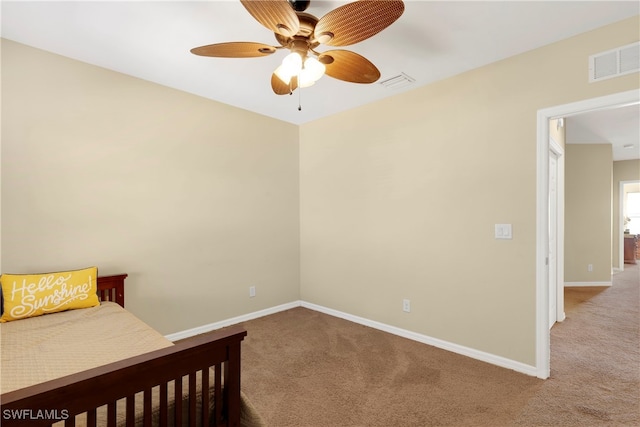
<point>299,99</point>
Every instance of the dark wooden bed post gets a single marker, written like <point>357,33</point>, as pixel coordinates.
<point>232,385</point>
<point>111,288</point>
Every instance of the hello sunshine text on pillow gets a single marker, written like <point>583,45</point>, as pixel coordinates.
<point>29,295</point>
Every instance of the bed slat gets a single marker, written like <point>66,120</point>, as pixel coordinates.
<point>192,399</point>
<point>178,404</point>
<point>164,412</point>
<point>148,418</point>
<point>111,414</point>
<point>131,410</point>
<point>205,396</point>
<point>92,419</point>
<point>218,395</point>
<point>232,381</point>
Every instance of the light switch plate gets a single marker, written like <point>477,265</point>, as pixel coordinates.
<point>503,231</point>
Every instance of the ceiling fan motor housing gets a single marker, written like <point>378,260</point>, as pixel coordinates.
<point>299,5</point>
<point>307,26</point>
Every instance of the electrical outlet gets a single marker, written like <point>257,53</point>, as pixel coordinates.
<point>590,267</point>
<point>252,291</point>
<point>406,305</point>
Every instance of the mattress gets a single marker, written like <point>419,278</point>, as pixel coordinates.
<point>47,347</point>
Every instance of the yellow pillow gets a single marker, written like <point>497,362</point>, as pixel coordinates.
<point>29,295</point>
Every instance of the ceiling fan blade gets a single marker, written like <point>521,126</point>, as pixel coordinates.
<point>349,66</point>
<point>357,21</point>
<point>276,15</point>
<point>281,88</point>
<point>234,50</point>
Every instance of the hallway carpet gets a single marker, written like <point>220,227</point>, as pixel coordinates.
<point>306,369</point>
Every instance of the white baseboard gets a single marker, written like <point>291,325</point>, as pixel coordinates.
<point>445,345</point>
<point>232,321</point>
<point>585,284</point>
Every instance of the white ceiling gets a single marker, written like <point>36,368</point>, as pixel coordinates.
<point>619,127</point>
<point>432,40</point>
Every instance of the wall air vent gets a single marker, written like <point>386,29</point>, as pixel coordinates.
<point>616,62</point>
<point>398,82</point>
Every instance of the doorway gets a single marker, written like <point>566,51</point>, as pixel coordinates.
<point>543,297</point>
<point>628,217</point>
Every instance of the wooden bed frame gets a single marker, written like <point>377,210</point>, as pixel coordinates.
<point>91,389</point>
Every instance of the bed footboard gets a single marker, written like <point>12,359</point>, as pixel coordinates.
<point>175,366</point>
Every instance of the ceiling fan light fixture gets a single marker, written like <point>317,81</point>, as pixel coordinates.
<point>306,82</point>
<point>293,62</point>
<point>283,75</point>
<point>312,71</point>
<point>291,66</point>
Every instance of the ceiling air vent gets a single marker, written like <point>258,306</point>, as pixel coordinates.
<point>615,62</point>
<point>397,82</point>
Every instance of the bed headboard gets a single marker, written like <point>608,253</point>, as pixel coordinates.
<point>111,288</point>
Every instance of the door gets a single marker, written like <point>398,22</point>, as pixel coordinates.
<point>553,237</point>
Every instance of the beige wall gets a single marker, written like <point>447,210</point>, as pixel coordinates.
<point>588,197</point>
<point>399,198</point>
<point>195,200</point>
<point>626,170</point>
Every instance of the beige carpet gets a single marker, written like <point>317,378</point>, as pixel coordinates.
<point>595,359</point>
<point>306,369</point>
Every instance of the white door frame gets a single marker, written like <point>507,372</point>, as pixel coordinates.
<point>543,348</point>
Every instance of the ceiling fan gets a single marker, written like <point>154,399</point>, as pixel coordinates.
<point>302,33</point>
